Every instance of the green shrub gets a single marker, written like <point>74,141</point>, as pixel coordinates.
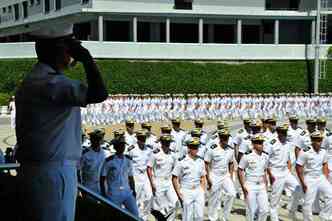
<point>183,77</point>
<point>4,99</point>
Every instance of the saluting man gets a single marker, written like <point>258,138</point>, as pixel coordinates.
<point>312,170</point>
<point>160,169</point>
<point>253,180</point>
<point>189,183</point>
<point>219,163</point>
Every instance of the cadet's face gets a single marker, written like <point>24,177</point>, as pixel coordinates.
<point>316,143</point>
<point>120,148</point>
<point>176,126</point>
<point>258,145</point>
<point>293,124</point>
<point>224,139</point>
<point>193,151</point>
<point>130,129</point>
<point>311,127</point>
<point>165,144</point>
<point>321,126</point>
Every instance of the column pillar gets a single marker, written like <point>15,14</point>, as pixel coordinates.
<point>200,31</point>
<point>239,31</point>
<point>100,28</point>
<point>135,29</point>
<point>276,31</point>
<point>313,33</point>
<point>168,30</point>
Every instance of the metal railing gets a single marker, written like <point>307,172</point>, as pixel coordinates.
<point>115,210</point>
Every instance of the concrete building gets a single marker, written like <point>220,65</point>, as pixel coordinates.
<point>173,29</point>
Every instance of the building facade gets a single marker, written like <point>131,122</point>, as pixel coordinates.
<point>174,29</point>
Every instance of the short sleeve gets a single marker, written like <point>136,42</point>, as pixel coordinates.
<point>203,171</point>
<point>208,155</point>
<point>177,169</point>
<point>104,169</point>
<point>151,161</point>
<point>243,148</point>
<point>301,159</point>
<point>130,168</point>
<point>243,163</point>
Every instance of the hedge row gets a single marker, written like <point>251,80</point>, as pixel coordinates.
<point>185,77</point>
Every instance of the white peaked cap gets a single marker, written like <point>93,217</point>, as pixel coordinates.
<point>54,31</point>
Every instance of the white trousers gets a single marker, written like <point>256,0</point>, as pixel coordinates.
<point>257,201</point>
<point>193,204</point>
<point>227,187</point>
<point>317,185</point>
<point>165,200</point>
<point>287,181</point>
<point>143,197</point>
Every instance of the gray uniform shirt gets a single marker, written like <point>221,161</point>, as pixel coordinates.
<point>48,118</point>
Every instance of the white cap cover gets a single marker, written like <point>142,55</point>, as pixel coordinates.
<point>55,31</point>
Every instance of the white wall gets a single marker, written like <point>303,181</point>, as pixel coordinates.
<point>123,50</point>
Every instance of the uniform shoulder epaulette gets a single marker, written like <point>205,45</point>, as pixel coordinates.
<point>241,131</point>
<point>213,146</point>
<point>149,146</point>
<point>110,158</point>
<point>302,133</point>
<point>128,157</point>
<point>229,147</point>
<point>156,151</point>
<point>329,133</point>
<point>265,152</point>
<point>248,152</point>
<point>85,151</point>
<point>307,148</point>
<point>273,141</point>
<point>199,157</point>
<point>247,137</point>
<point>131,147</point>
<point>182,158</point>
<point>173,151</point>
<point>214,136</point>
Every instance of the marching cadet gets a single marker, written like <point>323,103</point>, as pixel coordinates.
<point>160,169</point>
<point>195,133</point>
<point>140,154</point>
<point>117,173</point>
<point>199,123</point>
<point>151,139</point>
<point>312,170</point>
<point>189,172</point>
<point>219,164</point>
<point>327,145</point>
<point>270,129</point>
<point>304,141</point>
<point>253,180</point>
<point>321,126</point>
<point>129,135</point>
<point>279,170</point>
<point>246,144</point>
<point>92,161</point>
<point>178,135</point>
<point>241,134</point>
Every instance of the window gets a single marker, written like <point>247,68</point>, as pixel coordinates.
<point>85,1</point>
<point>32,2</point>
<point>47,6</point>
<point>4,10</point>
<point>17,12</point>
<point>183,4</point>
<point>25,9</point>
<point>10,9</point>
<point>57,4</point>
<point>37,2</point>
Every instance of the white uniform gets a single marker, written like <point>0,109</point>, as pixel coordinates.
<point>143,190</point>
<point>178,137</point>
<point>189,172</point>
<point>219,160</point>
<point>327,145</point>
<point>165,198</point>
<point>255,166</point>
<point>312,163</point>
<point>91,164</point>
<point>130,139</point>
<point>279,155</point>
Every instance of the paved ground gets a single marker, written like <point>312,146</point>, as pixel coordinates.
<point>7,138</point>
